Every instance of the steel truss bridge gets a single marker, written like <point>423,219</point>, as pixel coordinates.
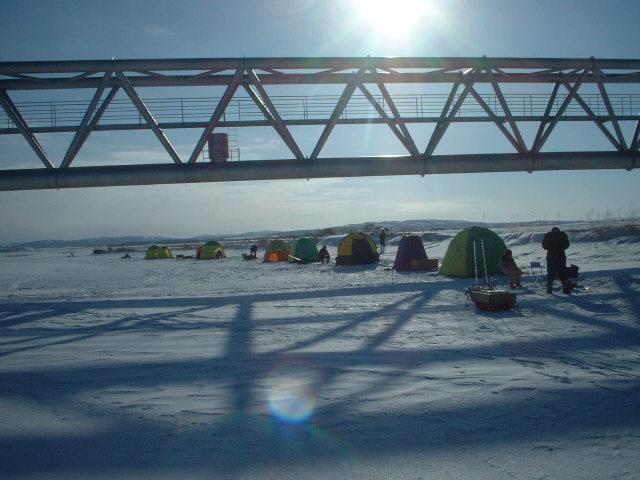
<point>435,91</point>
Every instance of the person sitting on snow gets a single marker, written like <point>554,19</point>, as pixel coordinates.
<point>509,267</point>
<point>324,254</point>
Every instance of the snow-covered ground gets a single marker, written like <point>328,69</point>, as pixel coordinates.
<point>124,368</point>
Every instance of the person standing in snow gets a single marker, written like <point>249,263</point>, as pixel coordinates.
<point>383,236</point>
<point>555,243</point>
<point>509,267</point>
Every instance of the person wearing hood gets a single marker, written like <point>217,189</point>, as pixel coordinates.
<point>555,243</point>
<point>509,267</point>
<point>323,254</point>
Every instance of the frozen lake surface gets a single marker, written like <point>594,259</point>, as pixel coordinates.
<point>230,369</point>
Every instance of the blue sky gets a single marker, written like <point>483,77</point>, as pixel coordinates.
<point>73,30</point>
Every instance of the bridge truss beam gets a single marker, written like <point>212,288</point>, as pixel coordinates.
<point>479,81</point>
<point>121,175</point>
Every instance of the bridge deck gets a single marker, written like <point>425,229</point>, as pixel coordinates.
<point>195,112</point>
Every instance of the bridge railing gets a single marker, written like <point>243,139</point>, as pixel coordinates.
<point>62,115</point>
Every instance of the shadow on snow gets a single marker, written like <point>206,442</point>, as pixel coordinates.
<point>240,440</point>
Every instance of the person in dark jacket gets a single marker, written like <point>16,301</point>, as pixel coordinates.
<point>555,243</point>
<point>383,236</point>
<point>323,254</point>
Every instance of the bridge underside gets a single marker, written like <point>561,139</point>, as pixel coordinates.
<point>104,176</point>
<point>398,93</point>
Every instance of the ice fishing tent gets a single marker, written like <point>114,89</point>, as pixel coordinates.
<point>154,252</point>
<point>459,259</point>
<point>357,249</point>
<point>210,250</point>
<point>276,251</point>
<point>410,255</point>
<point>305,250</point>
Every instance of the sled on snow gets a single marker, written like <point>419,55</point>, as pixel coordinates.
<point>488,299</point>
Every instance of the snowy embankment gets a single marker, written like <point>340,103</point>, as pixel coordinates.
<point>126,368</point>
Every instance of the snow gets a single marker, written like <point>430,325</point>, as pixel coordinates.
<point>230,369</point>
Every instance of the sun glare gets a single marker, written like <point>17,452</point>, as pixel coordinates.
<point>392,18</point>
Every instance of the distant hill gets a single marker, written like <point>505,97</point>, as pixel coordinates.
<point>394,226</point>
<point>107,242</point>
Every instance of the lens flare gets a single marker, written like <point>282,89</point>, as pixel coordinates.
<point>292,391</point>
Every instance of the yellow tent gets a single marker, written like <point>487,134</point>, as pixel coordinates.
<point>210,250</point>
<point>154,252</point>
<point>357,249</point>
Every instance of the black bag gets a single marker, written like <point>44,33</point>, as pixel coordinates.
<point>572,271</point>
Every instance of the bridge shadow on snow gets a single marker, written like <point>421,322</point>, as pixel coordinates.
<point>337,431</point>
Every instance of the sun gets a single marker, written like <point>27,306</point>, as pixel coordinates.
<point>395,18</point>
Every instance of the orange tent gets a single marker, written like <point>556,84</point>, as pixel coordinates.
<point>277,251</point>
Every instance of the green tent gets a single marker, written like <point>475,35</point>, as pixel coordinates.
<point>305,250</point>
<point>459,259</point>
<point>210,250</point>
<point>154,252</point>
